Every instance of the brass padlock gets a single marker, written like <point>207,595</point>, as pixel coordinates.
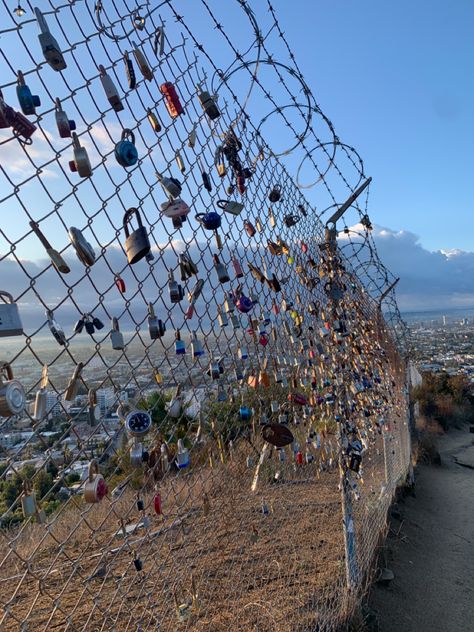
<point>10,323</point>
<point>96,488</point>
<point>137,244</point>
<point>73,385</point>
<point>12,393</point>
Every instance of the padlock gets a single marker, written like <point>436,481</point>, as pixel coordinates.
<point>208,103</point>
<point>176,290</point>
<point>290,220</point>
<point>137,454</point>
<point>110,90</point>
<point>196,346</point>
<point>192,137</point>
<point>84,251</point>
<point>230,206</point>
<point>95,488</point>
<point>10,322</point>
<point>73,386</point>
<point>51,50</point>
<point>243,353</point>
<point>56,259</point>
<point>171,186</point>
<point>222,317</point>
<point>174,407</point>
<point>187,267</point>
<point>64,125</point>
<point>249,228</point>
<point>116,336</point>
<point>138,423</point>
<point>180,162</point>
<point>41,398</point>
<point>172,102</point>
<point>159,41</point>
<point>28,102</point>
<point>206,180</point>
<point>125,151</point>
<point>237,267</point>
<point>153,120</point>
<point>129,71</point>
<point>192,297</point>
<point>80,163</point>
<point>271,218</point>
<point>137,563</point>
<point>214,370</point>
<point>179,346</point>
<point>93,409</point>
<point>177,210</point>
<point>12,393</point>
<point>55,328</point>
<point>182,456</point>
<point>221,270</point>
<point>137,244</point>
<point>157,506</point>
<point>234,321</point>
<point>210,220</point>
<point>221,169</point>
<point>20,125</point>
<point>243,303</point>
<point>275,194</point>
<point>156,327</point>
<point>142,62</point>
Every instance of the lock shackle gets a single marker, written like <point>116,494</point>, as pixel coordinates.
<point>8,295</point>
<point>20,78</point>
<point>115,324</point>
<point>27,486</point>
<point>128,216</point>
<point>151,310</point>
<point>138,20</point>
<point>93,470</point>
<point>58,105</point>
<point>127,134</point>
<point>75,141</point>
<point>80,365</point>
<point>6,367</point>
<point>102,70</point>
<point>222,204</point>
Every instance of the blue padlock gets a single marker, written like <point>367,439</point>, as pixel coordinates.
<point>245,413</point>
<point>28,102</point>
<point>125,151</point>
<point>210,221</point>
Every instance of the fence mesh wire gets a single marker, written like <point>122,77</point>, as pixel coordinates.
<point>252,490</point>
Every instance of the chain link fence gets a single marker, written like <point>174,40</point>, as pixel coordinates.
<point>203,407</point>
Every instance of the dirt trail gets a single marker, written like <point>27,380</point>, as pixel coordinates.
<point>433,555</point>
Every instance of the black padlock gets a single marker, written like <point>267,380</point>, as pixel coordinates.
<point>140,504</point>
<point>137,244</point>
<point>138,564</point>
<point>89,325</point>
<point>98,324</point>
<point>291,220</point>
<point>79,326</point>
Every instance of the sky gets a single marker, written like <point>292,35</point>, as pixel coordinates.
<point>394,78</point>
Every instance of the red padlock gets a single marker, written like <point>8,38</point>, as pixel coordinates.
<point>172,102</point>
<point>157,503</point>
<point>241,184</point>
<point>298,398</point>
<point>299,458</point>
<point>120,283</point>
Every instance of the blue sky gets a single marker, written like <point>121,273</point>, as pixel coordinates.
<point>395,79</point>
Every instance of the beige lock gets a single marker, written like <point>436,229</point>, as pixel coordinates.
<point>12,393</point>
<point>96,488</point>
<point>73,385</point>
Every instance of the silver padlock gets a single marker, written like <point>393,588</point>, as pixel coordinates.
<point>12,393</point>
<point>96,488</point>
<point>65,126</point>
<point>156,327</point>
<point>51,50</point>
<point>110,90</point>
<point>84,251</point>
<point>41,398</point>
<point>55,328</point>
<point>80,163</point>
<point>137,243</point>
<point>116,336</point>
<point>10,323</point>
<point>29,504</point>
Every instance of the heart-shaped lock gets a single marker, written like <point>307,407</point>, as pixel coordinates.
<point>96,488</point>
<point>125,151</point>
<point>176,209</point>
